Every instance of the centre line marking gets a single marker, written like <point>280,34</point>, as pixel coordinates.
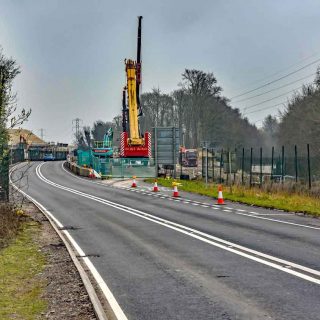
<point>274,262</point>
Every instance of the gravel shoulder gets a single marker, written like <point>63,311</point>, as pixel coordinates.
<point>63,291</point>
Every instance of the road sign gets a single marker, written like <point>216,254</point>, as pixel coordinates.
<point>166,146</point>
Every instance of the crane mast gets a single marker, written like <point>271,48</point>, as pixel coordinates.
<point>133,142</point>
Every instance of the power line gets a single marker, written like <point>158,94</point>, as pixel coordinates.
<point>282,70</point>
<point>265,108</point>
<point>274,89</point>
<point>280,95</point>
<point>276,80</point>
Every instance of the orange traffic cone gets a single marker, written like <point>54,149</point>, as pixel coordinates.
<point>220,196</point>
<point>155,186</point>
<point>175,190</point>
<point>134,184</point>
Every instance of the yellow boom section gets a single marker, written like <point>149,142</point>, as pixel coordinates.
<point>135,138</point>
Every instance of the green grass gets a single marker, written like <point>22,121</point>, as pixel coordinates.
<point>20,265</point>
<point>277,199</point>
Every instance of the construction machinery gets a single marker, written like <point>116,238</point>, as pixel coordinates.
<point>133,144</point>
<point>188,157</point>
<point>104,148</point>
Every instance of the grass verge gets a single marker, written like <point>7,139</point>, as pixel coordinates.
<point>21,263</point>
<point>276,199</point>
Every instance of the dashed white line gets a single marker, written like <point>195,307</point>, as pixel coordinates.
<point>248,253</point>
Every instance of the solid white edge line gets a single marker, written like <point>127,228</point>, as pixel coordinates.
<point>198,235</point>
<point>103,286</point>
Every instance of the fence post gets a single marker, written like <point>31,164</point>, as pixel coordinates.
<point>202,163</point>
<point>272,160</point>
<point>212,165</point>
<point>180,163</point>
<point>206,166</point>
<point>228,172</point>
<point>260,167</point>
<point>282,165</point>
<point>221,165</point>
<point>296,161</point>
<point>309,168</point>
<point>229,156</point>
<point>234,174</point>
<point>251,151</point>
<point>242,166</point>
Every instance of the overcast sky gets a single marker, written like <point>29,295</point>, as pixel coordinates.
<point>71,52</point>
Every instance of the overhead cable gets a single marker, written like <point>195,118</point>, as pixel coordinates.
<point>280,95</point>
<point>274,89</point>
<point>276,80</point>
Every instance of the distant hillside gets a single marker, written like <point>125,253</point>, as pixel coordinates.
<point>30,137</point>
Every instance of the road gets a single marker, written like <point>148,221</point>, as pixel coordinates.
<point>186,258</point>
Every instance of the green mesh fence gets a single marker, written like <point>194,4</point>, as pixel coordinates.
<point>4,174</point>
<point>139,167</point>
<point>84,158</point>
<point>117,167</point>
<point>256,166</point>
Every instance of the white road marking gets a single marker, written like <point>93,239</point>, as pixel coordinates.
<point>274,214</point>
<point>225,210</point>
<point>102,284</point>
<point>251,214</point>
<point>204,237</point>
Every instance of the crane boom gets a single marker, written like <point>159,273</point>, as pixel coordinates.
<point>133,143</point>
<point>131,71</point>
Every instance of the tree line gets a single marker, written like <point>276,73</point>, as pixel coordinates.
<point>299,122</point>
<point>197,107</point>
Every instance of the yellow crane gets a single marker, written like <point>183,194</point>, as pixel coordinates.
<point>133,144</point>
<point>133,108</point>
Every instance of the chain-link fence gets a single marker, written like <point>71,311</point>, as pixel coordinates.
<point>258,166</point>
<point>17,155</point>
<point>4,173</point>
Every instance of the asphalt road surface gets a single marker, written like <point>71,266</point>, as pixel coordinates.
<point>185,258</point>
